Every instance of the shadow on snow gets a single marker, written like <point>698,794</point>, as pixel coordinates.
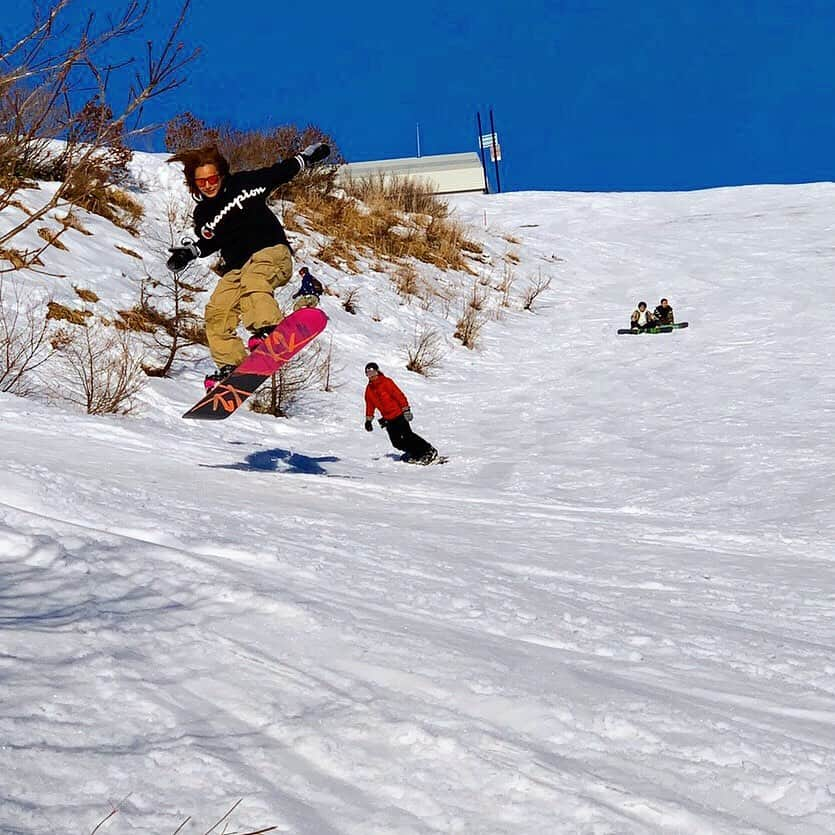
<point>273,460</point>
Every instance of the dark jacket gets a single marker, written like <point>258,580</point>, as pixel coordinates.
<point>311,286</point>
<point>237,221</point>
<point>664,315</point>
<point>383,394</point>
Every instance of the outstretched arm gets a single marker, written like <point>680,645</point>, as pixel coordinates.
<point>282,172</point>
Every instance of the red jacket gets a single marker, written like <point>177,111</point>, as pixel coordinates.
<point>382,393</point>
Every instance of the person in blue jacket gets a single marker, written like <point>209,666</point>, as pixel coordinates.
<point>308,294</point>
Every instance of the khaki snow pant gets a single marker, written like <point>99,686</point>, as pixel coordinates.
<point>306,301</point>
<point>245,296</point>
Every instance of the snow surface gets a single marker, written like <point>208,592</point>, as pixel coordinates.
<point>612,611</point>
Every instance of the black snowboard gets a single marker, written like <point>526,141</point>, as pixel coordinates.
<point>655,329</point>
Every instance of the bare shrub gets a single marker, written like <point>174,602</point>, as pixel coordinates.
<point>168,307</point>
<point>468,327</point>
<point>326,368</point>
<point>99,371</point>
<point>406,281</point>
<point>26,341</point>
<point>225,820</point>
<point>446,300</point>
<point>287,385</point>
<point>477,297</point>
<point>534,291</point>
<point>349,303</point>
<point>56,84</point>
<point>425,354</point>
<point>506,285</point>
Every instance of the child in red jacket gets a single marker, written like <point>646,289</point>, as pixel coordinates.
<point>383,395</point>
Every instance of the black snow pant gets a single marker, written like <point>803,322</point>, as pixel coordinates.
<point>402,438</point>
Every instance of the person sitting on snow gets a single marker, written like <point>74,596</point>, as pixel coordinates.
<point>663,314</point>
<point>641,318</point>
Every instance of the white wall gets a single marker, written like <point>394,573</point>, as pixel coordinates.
<point>447,173</point>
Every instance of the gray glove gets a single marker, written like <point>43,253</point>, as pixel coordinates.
<point>407,414</point>
<point>314,153</point>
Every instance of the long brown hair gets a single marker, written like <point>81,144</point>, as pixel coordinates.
<point>194,158</point>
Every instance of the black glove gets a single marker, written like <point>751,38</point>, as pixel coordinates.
<point>383,423</point>
<point>369,426</point>
<point>407,413</point>
<point>314,153</point>
<point>181,256</point>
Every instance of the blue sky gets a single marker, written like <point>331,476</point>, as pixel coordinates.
<point>598,95</point>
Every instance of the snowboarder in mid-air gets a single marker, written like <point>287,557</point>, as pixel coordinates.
<point>232,217</point>
<point>383,395</point>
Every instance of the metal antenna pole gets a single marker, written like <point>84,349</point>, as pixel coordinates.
<point>483,160</point>
<point>495,152</point>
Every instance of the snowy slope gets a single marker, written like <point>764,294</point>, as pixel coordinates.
<point>611,612</point>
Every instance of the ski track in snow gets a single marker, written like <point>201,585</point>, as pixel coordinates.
<point>610,612</point>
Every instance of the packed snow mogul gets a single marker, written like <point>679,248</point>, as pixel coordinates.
<point>641,318</point>
<point>232,217</point>
<point>383,395</point>
<point>663,313</point>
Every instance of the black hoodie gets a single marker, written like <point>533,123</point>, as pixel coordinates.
<point>237,220</point>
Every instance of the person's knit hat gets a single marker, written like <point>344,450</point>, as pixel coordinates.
<point>371,365</point>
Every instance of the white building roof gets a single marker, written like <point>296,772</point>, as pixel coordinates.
<point>448,173</point>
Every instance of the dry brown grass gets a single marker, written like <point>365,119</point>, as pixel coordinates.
<point>128,251</point>
<point>406,281</point>
<point>109,202</point>
<point>391,219</point>
<point>61,312</point>
<point>72,222</point>
<point>86,295</point>
<point>14,256</point>
<point>139,319</point>
<point>23,208</point>
<point>52,238</point>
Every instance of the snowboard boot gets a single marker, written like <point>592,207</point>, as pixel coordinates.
<point>429,457</point>
<point>211,380</point>
<point>258,337</point>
